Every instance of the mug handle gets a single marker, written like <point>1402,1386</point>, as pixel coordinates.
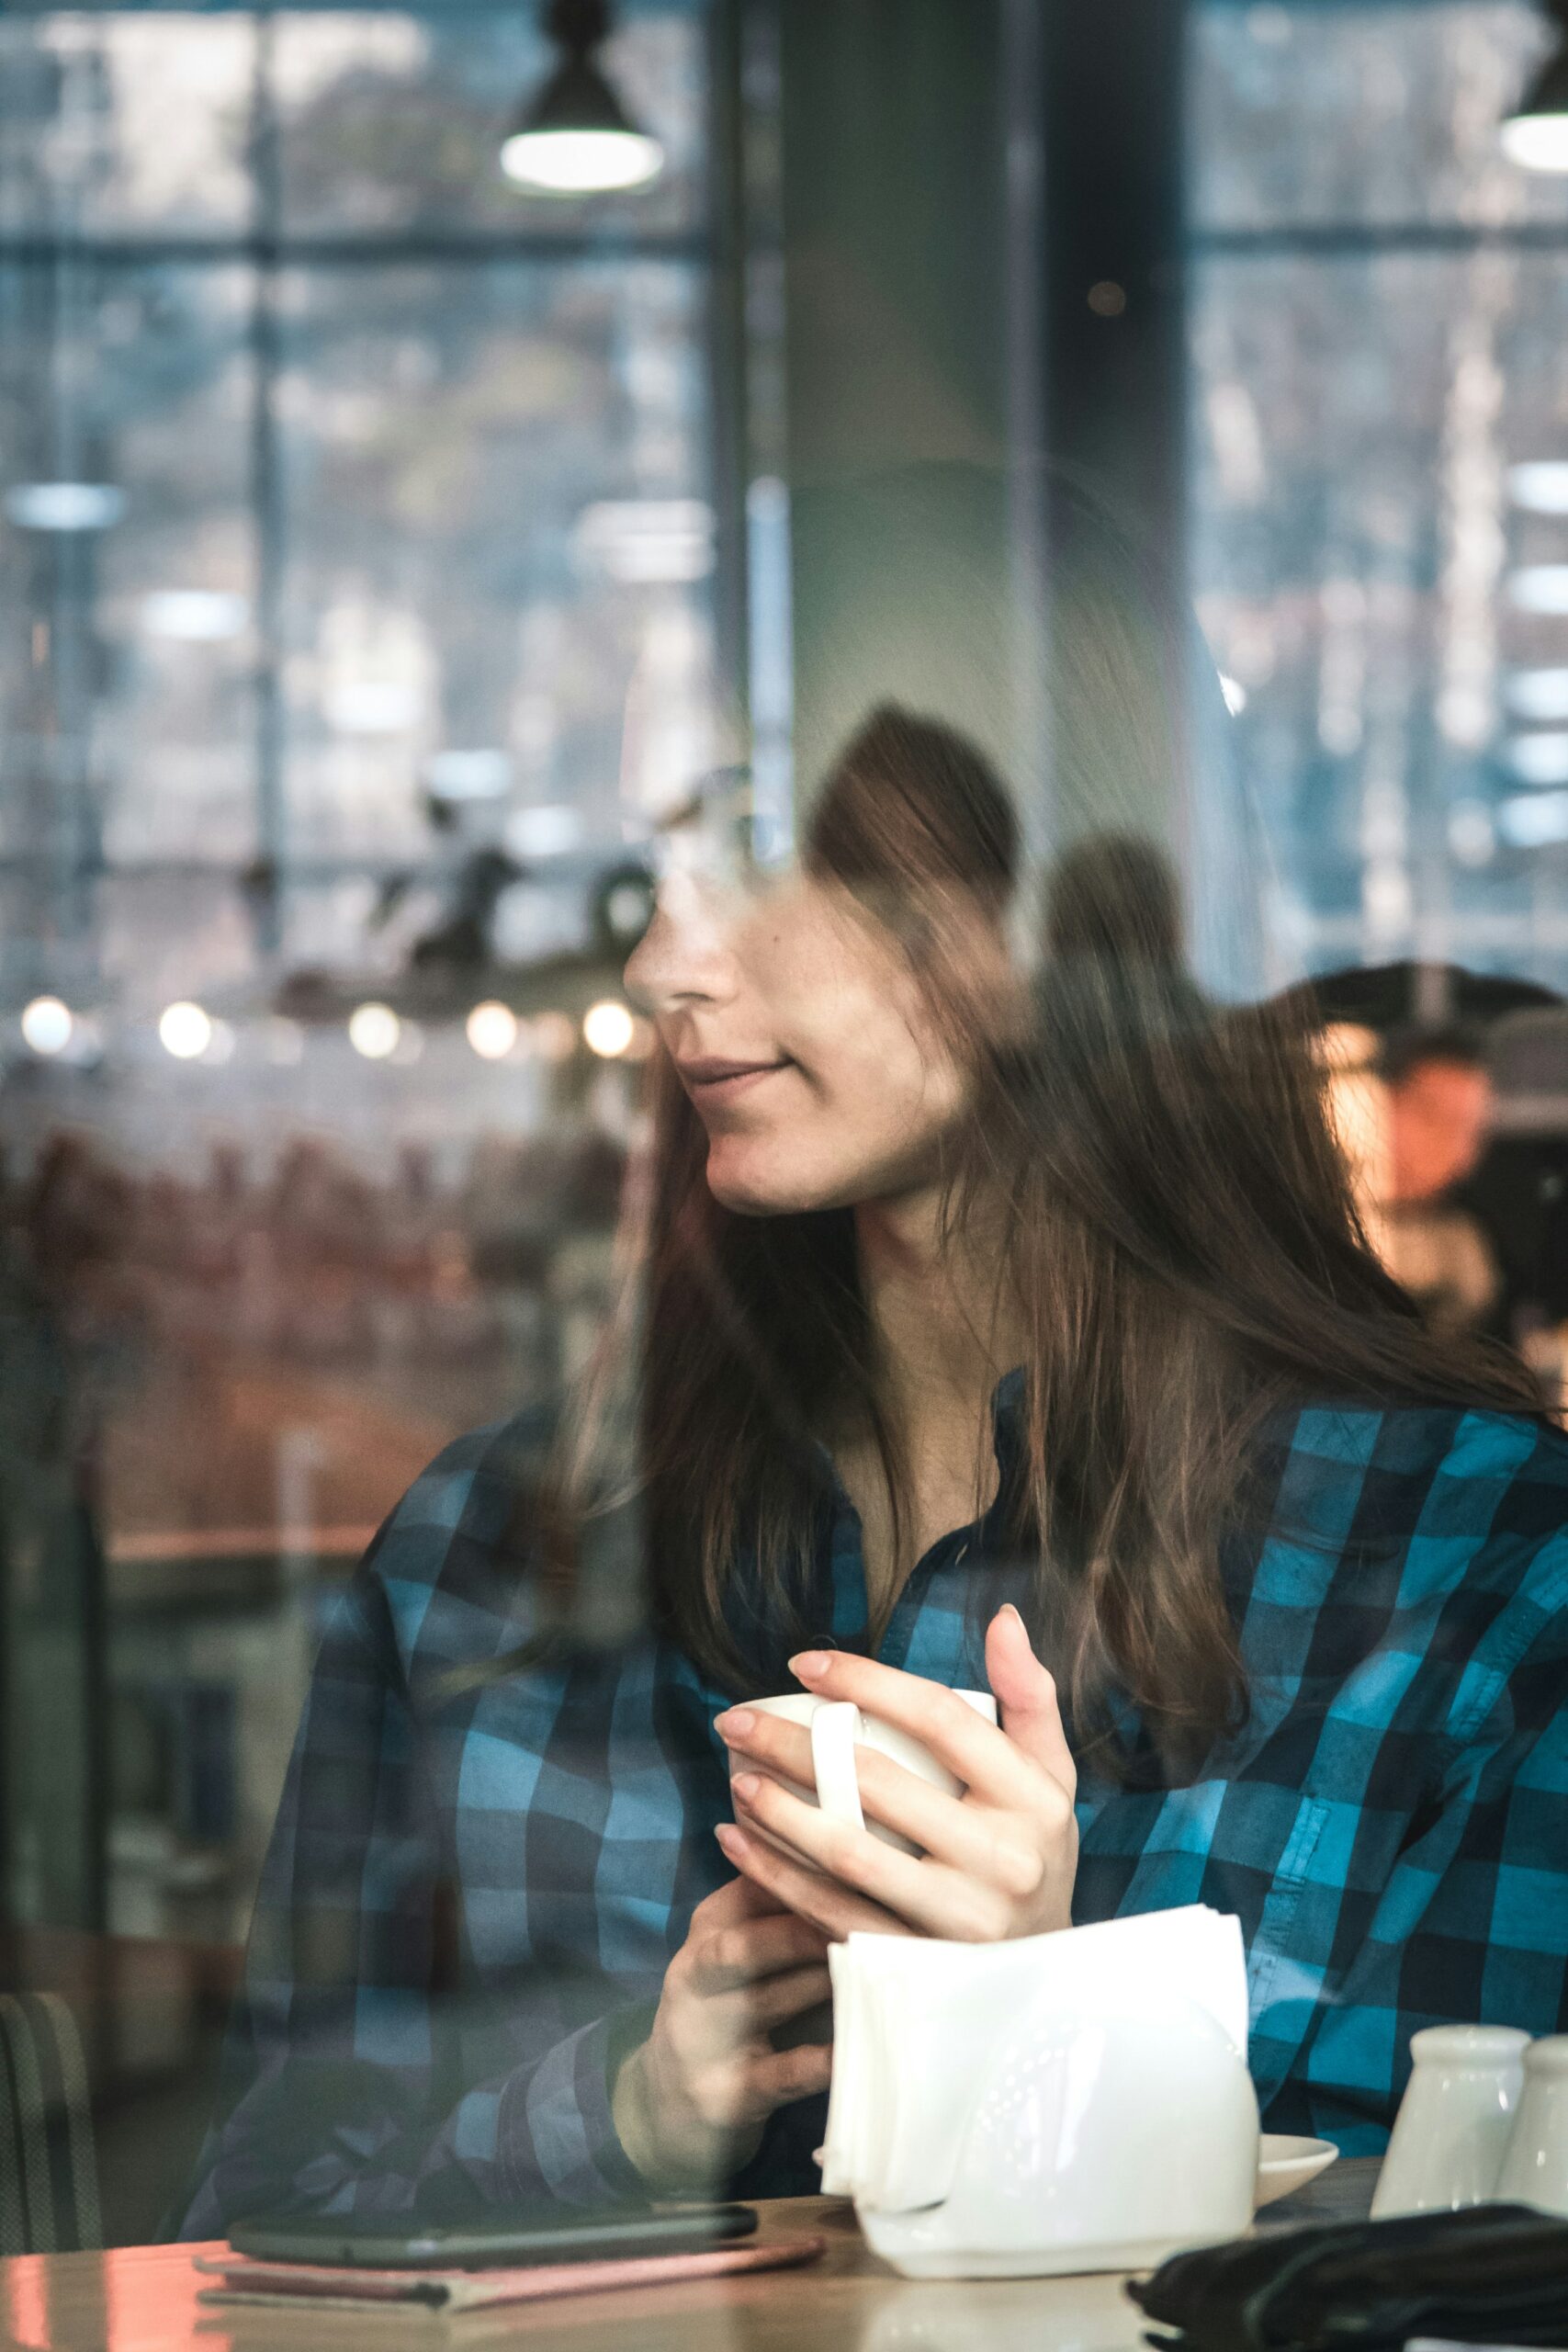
<point>835,1727</point>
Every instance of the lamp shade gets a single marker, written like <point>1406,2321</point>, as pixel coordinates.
<point>1536,133</point>
<point>576,139</point>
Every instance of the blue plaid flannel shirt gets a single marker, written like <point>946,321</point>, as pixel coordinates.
<point>473,1891</point>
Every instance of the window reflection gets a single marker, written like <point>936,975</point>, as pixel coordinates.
<point>1376,307</point>
<point>354,704</point>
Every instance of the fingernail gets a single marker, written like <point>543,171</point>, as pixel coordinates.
<point>735,1724</point>
<point>733,1840</point>
<point>746,1785</point>
<point>809,1667</point>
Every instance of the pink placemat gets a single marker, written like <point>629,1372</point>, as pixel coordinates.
<point>334,2288</point>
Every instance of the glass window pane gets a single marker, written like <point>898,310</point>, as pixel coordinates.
<point>395,122</point>
<point>178,722</point>
<point>1355,554</point>
<point>162,938</point>
<point>1359,115</point>
<point>498,543</point>
<point>114,125</point>
<point>125,657</point>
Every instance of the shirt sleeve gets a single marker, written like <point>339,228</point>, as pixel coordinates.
<point>352,2082</point>
<point>1472,1922</point>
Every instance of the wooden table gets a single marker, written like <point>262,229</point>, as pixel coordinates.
<point>145,2298</point>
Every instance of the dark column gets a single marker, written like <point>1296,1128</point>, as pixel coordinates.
<point>1113,372</point>
<point>1113,350</point>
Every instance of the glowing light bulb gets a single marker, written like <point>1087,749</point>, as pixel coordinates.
<point>48,1025</point>
<point>1538,143</point>
<point>581,162</point>
<point>374,1031</point>
<point>185,1031</point>
<point>492,1031</point>
<point>607,1029</point>
<point>1535,134</point>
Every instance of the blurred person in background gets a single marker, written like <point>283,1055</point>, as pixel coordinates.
<point>1519,1192</point>
<point>978,1327</point>
<point>1439,1108</point>
<point>1115,898</point>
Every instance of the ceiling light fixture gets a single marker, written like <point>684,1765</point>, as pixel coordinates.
<point>1539,588</point>
<point>1541,486</point>
<point>1537,694</point>
<point>574,137</point>
<point>642,540</point>
<point>1536,134</point>
<point>1540,759</point>
<point>195,616</point>
<point>64,505</point>
<point>1534,822</point>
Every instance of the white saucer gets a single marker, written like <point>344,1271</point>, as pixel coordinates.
<point>1285,2162</point>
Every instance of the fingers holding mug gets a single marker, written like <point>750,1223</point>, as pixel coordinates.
<point>828,1903</point>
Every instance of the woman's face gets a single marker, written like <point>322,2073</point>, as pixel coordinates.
<point>803,1037</point>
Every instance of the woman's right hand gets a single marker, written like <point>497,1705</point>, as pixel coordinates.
<point>690,2104</point>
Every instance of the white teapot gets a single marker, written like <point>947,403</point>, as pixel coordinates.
<point>1071,2102</point>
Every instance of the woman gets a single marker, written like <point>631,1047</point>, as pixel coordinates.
<point>979,1331</point>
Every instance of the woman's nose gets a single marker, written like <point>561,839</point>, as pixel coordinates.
<point>684,956</point>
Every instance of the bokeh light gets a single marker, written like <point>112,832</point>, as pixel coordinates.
<point>47,1025</point>
<point>185,1031</point>
<point>374,1031</point>
<point>492,1031</point>
<point>607,1029</point>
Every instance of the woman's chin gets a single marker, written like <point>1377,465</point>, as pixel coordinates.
<point>751,1183</point>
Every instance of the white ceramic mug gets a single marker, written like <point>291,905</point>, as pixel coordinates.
<point>1453,2123</point>
<point>1535,2170</point>
<point>837,1728</point>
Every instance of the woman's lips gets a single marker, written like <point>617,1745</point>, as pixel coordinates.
<point>711,1081</point>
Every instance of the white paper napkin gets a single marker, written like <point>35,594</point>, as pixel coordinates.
<point>915,2022</point>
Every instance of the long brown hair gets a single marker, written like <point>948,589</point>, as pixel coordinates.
<point>1179,1240</point>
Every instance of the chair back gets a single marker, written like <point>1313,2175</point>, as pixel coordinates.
<point>49,2179</point>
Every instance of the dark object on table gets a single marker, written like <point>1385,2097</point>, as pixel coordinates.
<point>391,2241</point>
<point>1496,2274</point>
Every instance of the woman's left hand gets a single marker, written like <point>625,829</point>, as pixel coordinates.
<point>996,1862</point>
